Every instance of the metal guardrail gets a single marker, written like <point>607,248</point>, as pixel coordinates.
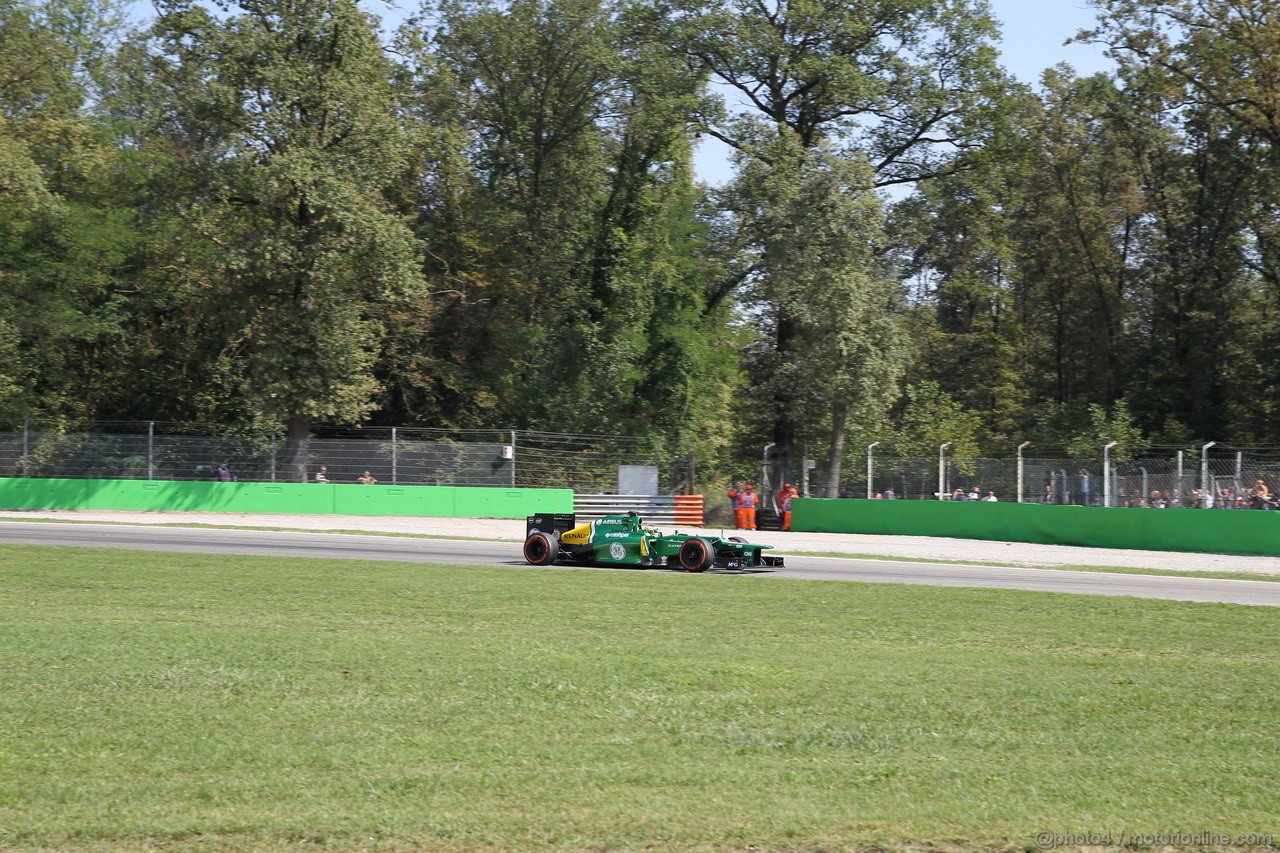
<point>669,510</point>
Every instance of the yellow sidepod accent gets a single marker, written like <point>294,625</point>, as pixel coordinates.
<point>644,547</point>
<point>580,535</point>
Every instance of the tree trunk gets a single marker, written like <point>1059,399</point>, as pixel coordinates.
<point>839,410</point>
<point>295,447</point>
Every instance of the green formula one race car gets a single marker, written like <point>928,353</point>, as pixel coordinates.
<point>624,540</point>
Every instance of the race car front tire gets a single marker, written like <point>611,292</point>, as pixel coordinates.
<point>696,555</point>
<point>541,549</point>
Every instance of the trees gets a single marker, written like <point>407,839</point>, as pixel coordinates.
<point>66,233</point>
<point>1079,228</point>
<point>904,82</point>
<point>1213,68</point>
<point>557,197</point>
<point>255,218</point>
<point>897,86</point>
<point>1219,54</point>
<point>281,125</point>
<point>958,256</point>
<point>829,350</point>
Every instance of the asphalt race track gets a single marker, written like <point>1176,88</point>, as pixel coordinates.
<point>343,546</point>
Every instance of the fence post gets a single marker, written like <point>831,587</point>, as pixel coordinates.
<point>273,458</point>
<point>513,459</point>
<point>942,471</point>
<point>1181,486</point>
<point>1204,470</point>
<point>764,468</point>
<point>1020,448</point>
<point>804,473</point>
<point>26,443</point>
<point>870,467</point>
<point>395,459</point>
<point>1106,474</point>
<point>151,443</point>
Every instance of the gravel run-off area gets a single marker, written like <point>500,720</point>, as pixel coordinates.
<point>925,548</point>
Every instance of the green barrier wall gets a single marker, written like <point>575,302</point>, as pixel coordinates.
<point>1208,531</point>
<point>303,498</point>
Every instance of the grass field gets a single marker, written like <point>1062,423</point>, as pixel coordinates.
<point>231,703</point>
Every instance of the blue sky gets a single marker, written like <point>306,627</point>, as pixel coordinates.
<point>1034,31</point>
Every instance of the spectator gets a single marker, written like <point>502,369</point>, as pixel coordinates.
<point>224,474</point>
<point>975,494</point>
<point>367,479</point>
<point>1084,486</point>
<point>1156,501</point>
<point>1263,495</point>
<point>991,497</point>
<point>322,476</point>
<point>1048,494</point>
<point>889,495</point>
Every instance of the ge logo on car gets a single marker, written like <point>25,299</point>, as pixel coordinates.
<point>617,551</point>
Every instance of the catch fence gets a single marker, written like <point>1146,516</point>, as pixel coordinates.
<point>393,455</point>
<point>591,464</point>
<point>1228,480</point>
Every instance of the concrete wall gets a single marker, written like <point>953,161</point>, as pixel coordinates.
<point>1199,530</point>
<point>303,498</point>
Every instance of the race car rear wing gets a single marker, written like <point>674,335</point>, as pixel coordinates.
<point>549,522</point>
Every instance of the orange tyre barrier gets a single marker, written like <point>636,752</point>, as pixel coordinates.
<point>689,510</point>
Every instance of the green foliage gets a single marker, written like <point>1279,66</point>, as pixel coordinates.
<point>1107,426</point>
<point>288,118</point>
<point>861,77</point>
<point>561,198</point>
<point>838,98</point>
<point>931,418</point>
<point>958,257</point>
<point>66,233</point>
<point>826,350</point>
<point>255,215</point>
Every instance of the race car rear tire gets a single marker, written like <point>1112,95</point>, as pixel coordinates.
<point>696,555</point>
<point>541,549</point>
